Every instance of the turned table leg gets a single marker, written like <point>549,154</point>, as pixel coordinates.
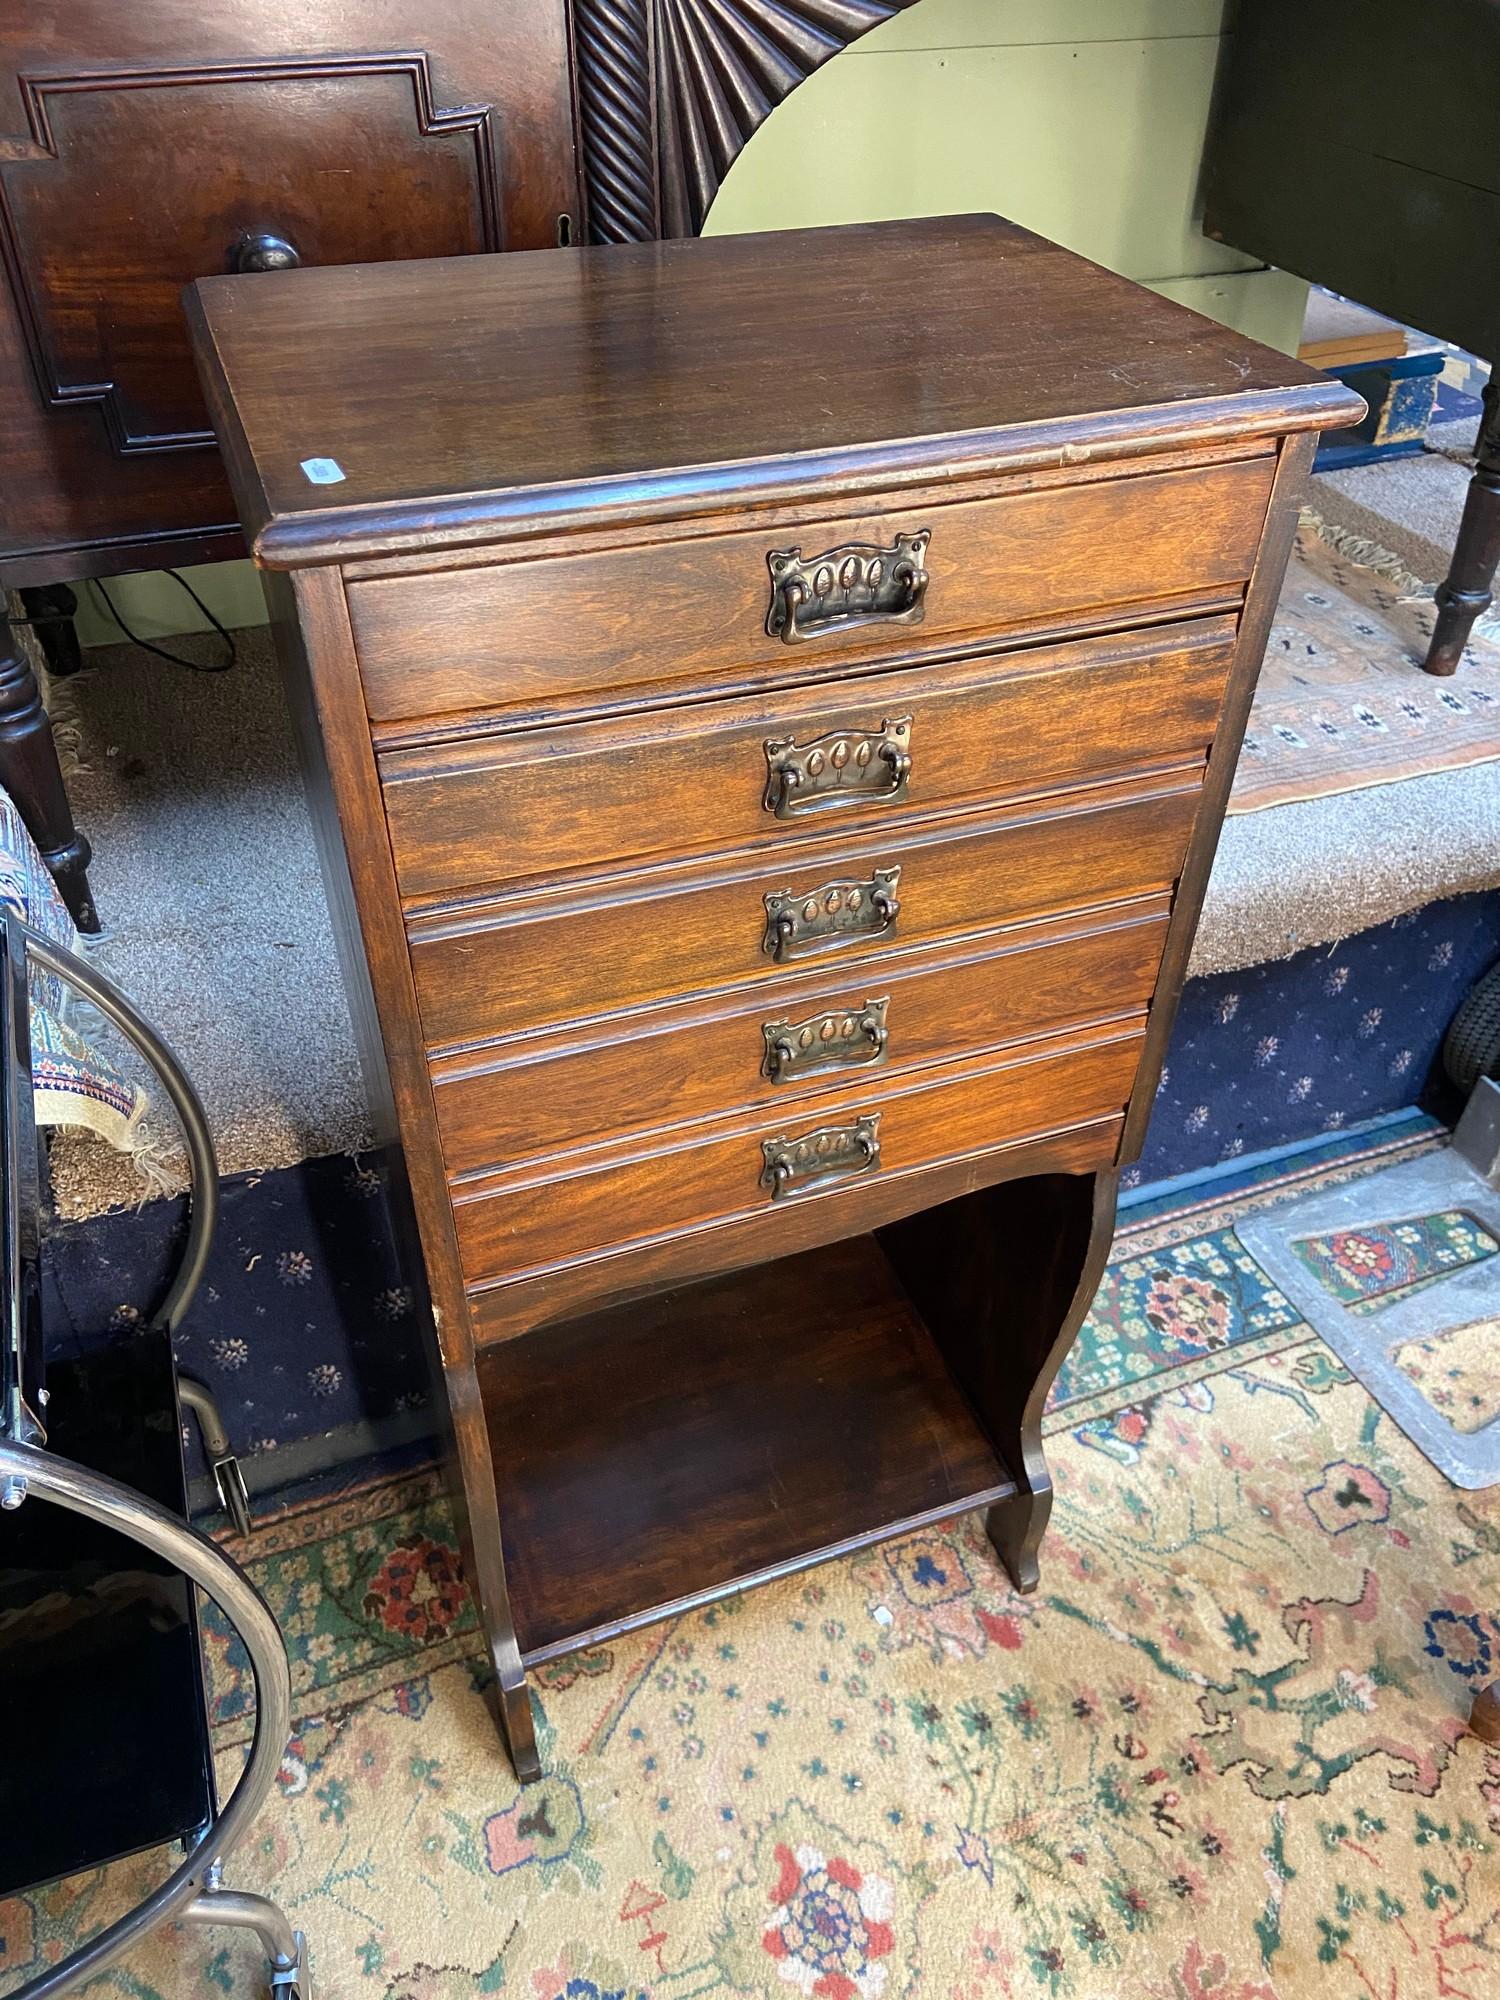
<point>30,773</point>
<point>51,608</point>
<point>1476,553</point>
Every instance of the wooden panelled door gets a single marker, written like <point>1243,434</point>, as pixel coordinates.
<point>144,146</point>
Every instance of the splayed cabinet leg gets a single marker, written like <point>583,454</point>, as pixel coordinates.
<point>1016,1528</point>
<point>1484,1716</point>
<point>1004,1278</point>
<point>519,1729</point>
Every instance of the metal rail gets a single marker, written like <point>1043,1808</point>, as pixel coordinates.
<point>203,1212</point>
<point>188,1892</point>
<point>192,1893</point>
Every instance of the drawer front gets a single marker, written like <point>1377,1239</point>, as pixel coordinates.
<point>501,1311</point>
<point>797,1044</point>
<point>644,938</point>
<point>871,751</point>
<point>526,631</point>
<point>508,1228</point>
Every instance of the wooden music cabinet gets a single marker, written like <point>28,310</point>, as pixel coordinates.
<point>772,701</point>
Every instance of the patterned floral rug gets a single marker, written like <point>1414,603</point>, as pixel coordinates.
<point>1221,1753</point>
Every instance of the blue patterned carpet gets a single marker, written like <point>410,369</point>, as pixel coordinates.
<point>1182,1300</point>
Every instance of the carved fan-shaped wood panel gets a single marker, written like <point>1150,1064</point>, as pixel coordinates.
<point>670,90</point>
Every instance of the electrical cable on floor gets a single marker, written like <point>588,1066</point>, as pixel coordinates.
<point>161,653</point>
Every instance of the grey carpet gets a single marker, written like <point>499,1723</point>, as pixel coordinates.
<point>1456,438</point>
<point>207,881</point>
<point>1317,872</point>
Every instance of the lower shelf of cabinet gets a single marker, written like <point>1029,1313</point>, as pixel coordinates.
<point>660,1454</point>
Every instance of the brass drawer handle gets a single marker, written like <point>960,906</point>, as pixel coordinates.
<point>855,584</point>
<point>845,1038</point>
<point>844,768</point>
<point>800,922</point>
<point>833,1152</point>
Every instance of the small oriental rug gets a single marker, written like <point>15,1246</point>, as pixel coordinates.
<point>1343,702</point>
<point>1219,1756</point>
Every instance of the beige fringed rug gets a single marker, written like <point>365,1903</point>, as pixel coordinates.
<point>1343,703</point>
<point>1220,1755</point>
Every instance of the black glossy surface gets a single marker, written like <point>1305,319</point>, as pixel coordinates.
<point>20,1201</point>
<point>104,1743</point>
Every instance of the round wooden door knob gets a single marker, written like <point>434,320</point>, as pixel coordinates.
<point>264,252</point>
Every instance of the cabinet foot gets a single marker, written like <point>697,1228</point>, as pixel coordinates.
<point>1015,1528</point>
<point>518,1727</point>
<point>1484,1716</point>
<point>1004,1278</point>
<point>52,607</point>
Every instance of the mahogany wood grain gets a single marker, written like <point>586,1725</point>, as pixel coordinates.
<point>769,681</point>
<point>679,1064</point>
<point>640,382</point>
<point>511,966</point>
<point>945,485</point>
<point>504,807</point>
<point>504,1311</point>
<point>646,1469</point>
<point>527,1218</point>
<point>571,624</point>
<point>1294,468</point>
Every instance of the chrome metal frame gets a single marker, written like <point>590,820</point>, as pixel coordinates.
<point>193,1892</point>
<point>203,1166</point>
<point>228,1478</point>
<point>190,1893</point>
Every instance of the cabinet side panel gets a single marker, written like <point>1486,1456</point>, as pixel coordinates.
<point>1294,463</point>
<point>317,659</point>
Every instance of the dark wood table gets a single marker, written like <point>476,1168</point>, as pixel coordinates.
<point>1355,144</point>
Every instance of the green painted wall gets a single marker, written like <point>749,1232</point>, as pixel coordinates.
<point>1083,119</point>
<point>154,605</point>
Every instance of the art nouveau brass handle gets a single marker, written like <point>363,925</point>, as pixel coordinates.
<point>847,767</point>
<point>832,1153</point>
<point>854,584</point>
<point>799,922</point>
<point>844,1038</point>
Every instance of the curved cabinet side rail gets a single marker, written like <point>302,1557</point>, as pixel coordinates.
<point>1004,1278</point>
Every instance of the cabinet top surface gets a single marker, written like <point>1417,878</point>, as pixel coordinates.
<point>382,407</point>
